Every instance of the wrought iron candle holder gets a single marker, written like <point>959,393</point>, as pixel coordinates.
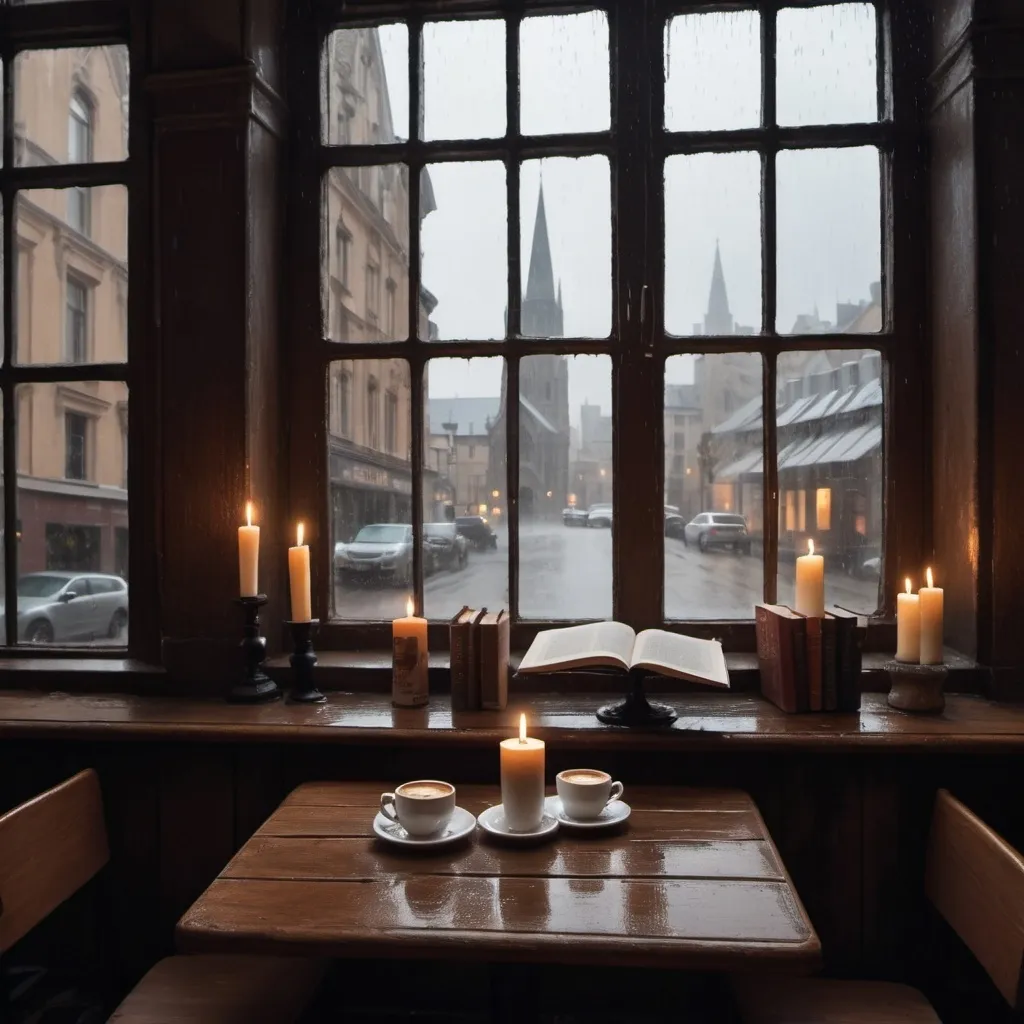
<point>255,686</point>
<point>303,659</point>
<point>635,709</point>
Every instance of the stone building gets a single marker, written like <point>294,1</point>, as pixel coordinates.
<point>71,285</point>
<point>460,434</point>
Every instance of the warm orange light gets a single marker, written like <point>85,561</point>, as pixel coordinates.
<point>409,608</point>
<point>248,513</point>
<point>810,546</point>
<point>522,728</point>
<point>299,534</point>
<point>910,589</point>
<point>928,576</point>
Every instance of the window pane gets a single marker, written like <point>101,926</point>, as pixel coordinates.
<point>463,79</point>
<point>71,106</point>
<point>831,478</point>
<point>369,440</point>
<point>72,275</point>
<point>367,85</point>
<point>564,56</point>
<point>713,71</point>
<point>713,244</point>
<point>714,505</point>
<point>464,244</point>
<point>72,457</point>
<point>826,67</point>
<point>566,247</point>
<point>365,253</point>
<point>829,241</point>
<point>464,484</point>
<point>565,482</point>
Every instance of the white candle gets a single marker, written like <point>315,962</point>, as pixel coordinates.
<point>298,577</point>
<point>810,583</point>
<point>522,781</point>
<point>248,555</point>
<point>908,627</point>
<point>409,682</point>
<point>931,622</point>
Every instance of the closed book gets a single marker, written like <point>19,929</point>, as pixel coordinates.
<point>473,698</point>
<point>494,650</point>
<point>459,646</point>
<point>782,656</point>
<point>815,668</point>
<point>849,643</point>
<point>829,663</point>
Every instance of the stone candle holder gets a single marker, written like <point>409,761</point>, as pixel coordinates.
<point>917,688</point>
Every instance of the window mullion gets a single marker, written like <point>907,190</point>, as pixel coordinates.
<point>513,327</point>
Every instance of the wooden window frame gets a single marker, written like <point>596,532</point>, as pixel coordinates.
<point>638,345</point>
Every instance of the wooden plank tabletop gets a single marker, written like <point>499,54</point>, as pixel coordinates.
<point>692,881</point>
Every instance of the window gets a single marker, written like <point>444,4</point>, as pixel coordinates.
<point>343,242</point>
<point>76,322</point>
<point>79,152</point>
<point>390,317</point>
<point>824,508</point>
<point>372,415</point>
<point>391,423</point>
<point>345,404</point>
<point>709,274</point>
<point>76,432</point>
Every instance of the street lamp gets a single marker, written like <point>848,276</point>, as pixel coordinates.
<point>495,493</point>
<point>604,472</point>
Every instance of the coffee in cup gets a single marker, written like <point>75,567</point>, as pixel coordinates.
<point>585,792</point>
<point>422,808</point>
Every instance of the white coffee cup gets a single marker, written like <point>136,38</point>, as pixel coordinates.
<point>585,792</point>
<point>422,807</point>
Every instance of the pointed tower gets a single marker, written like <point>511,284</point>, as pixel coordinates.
<point>718,318</point>
<point>542,310</point>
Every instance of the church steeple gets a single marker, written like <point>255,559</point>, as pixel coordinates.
<point>718,319</point>
<point>542,310</point>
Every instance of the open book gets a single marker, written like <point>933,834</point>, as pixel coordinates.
<point>615,645</point>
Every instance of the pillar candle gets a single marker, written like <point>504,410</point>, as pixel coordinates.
<point>409,683</point>
<point>908,627</point>
<point>522,781</point>
<point>248,556</point>
<point>931,622</point>
<point>298,577</point>
<point>810,583</point>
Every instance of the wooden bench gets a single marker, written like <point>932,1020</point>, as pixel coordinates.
<point>975,880</point>
<point>52,845</point>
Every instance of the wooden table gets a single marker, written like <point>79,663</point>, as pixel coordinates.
<point>693,881</point>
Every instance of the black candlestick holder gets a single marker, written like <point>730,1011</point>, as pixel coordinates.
<point>255,686</point>
<point>635,709</point>
<point>303,659</point>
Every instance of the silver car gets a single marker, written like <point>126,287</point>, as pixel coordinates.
<point>60,607</point>
<point>379,551</point>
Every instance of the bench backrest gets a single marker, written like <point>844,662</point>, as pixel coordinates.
<point>976,880</point>
<point>49,848</point>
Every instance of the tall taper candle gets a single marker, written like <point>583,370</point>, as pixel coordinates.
<point>908,627</point>
<point>522,781</point>
<point>931,622</point>
<point>810,584</point>
<point>298,577</point>
<point>248,556</point>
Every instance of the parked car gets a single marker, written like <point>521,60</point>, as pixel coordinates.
<point>61,607</point>
<point>718,530</point>
<point>573,516</point>
<point>477,532</point>
<point>600,515</point>
<point>675,526</point>
<point>443,547</point>
<point>379,551</point>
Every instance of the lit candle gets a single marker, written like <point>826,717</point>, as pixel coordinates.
<point>931,622</point>
<point>522,781</point>
<point>298,577</point>
<point>908,627</point>
<point>409,684</point>
<point>248,555</point>
<point>810,583</point>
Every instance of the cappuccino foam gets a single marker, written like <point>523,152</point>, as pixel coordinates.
<point>585,777</point>
<point>424,790</point>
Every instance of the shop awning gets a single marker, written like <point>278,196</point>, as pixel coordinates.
<point>837,446</point>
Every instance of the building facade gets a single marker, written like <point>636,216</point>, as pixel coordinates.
<point>460,438</point>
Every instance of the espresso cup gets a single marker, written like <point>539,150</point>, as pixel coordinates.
<point>585,792</point>
<point>422,807</point>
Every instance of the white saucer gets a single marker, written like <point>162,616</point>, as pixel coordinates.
<point>461,825</point>
<point>613,814</point>
<point>493,821</point>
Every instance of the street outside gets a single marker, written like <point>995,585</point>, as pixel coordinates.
<point>566,573</point>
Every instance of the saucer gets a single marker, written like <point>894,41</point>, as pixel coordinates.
<point>613,814</point>
<point>461,825</point>
<point>493,821</point>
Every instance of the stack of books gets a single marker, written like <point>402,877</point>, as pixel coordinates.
<point>479,659</point>
<point>807,663</point>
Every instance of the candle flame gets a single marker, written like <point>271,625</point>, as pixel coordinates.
<point>299,534</point>
<point>810,546</point>
<point>522,728</point>
<point>409,608</point>
<point>928,576</point>
<point>910,589</point>
<point>248,513</point>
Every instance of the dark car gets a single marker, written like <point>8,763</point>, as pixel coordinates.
<point>443,547</point>
<point>718,530</point>
<point>573,516</point>
<point>477,532</point>
<point>675,526</point>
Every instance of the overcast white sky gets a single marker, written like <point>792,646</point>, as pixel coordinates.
<point>828,202</point>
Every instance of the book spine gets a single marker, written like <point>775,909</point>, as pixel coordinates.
<point>460,665</point>
<point>830,663</point>
<point>775,658</point>
<point>800,672</point>
<point>504,629</point>
<point>815,683</point>
<point>488,643</point>
<point>473,664</point>
<point>849,647</point>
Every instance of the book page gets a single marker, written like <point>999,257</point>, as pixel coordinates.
<point>685,657</point>
<point>595,643</point>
